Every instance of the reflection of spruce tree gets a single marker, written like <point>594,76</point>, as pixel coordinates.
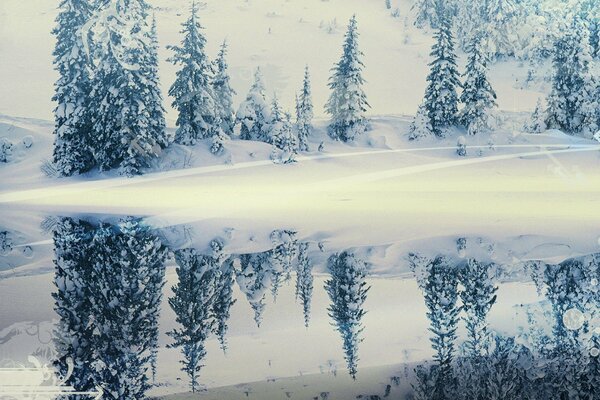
<point>304,280</point>
<point>441,294</point>
<point>347,290</point>
<point>567,288</point>
<point>223,301</point>
<point>478,297</point>
<point>192,303</point>
<point>73,333</point>
<point>282,259</point>
<point>125,288</point>
<point>254,278</point>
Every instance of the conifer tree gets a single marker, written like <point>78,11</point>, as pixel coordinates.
<point>425,13</point>
<point>282,135</point>
<point>347,102</point>
<point>254,278</point>
<point>478,96</point>
<point>571,104</point>
<point>126,134</point>
<point>537,122</point>
<point>72,152</point>
<point>223,301</point>
<point>347,290</point>
<point>193,304</point>
<point>253,114</point>
<point>304,281</point>
<point>73,337</point>
<point>155,103</point>
<point>223,91</point>
<point>421,125</point>
<point>478,296</point>
<point>281,258</point>
<point>304,112</point>
<point>192,91</point>
<point>501,22</point>
<point>441,294</point>
<point>441,100</point>
<point>128,264</point>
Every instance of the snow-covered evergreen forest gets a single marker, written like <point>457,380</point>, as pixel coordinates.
<point>115,110</point>
<point>300,199</point>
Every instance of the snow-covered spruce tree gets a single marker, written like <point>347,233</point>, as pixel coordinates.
<point>304,112</point>
<point>253,114</point>
<point>347,291</point>
<point>192,91</point>
<point>347,102</point>
<point>155,103</point>
<point>478,97</point>
<point>426,13</point>
<point>253,276</point>
<point>441,294</point>
<point>72,153</point>
<point>193,301</point>
<point>281,133</point>
<point>128,264</point>
<point>223,91</point>
<point>421,125</point>
<point>304,281</point>
<point>571,104</point>
<point>441,100</point>
<point>478,296</point>
<point>500,20</point>
<point>125,131</point>
<point>223,301</point>
<point>74,331</point>
<point>537,122</point>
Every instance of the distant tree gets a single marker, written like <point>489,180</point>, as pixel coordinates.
<point>441,100</point>
<point>192,91</point>
<point>72,149</point>
<point>254,115</point>
<point>571,104</point>
<point>347,102</point>
<point>304,112</point>
<point>193,303</point>
<point>478,96</point>
<point>223,91</point>
<point>537,122</point>
<point>347,290</point>
<point>428,14</point>
<point>304,281</point>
